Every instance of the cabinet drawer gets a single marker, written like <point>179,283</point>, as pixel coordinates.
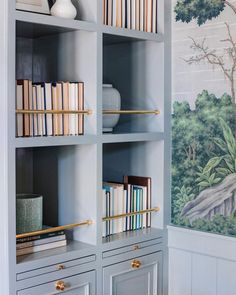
<point>139,276</point>
<point>59,267</point>
<point>129,251</point>
<point>83,284</point>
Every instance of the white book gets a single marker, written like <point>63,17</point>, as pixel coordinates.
<point>123,13</point>
<point>19,106</point>
<point>129,207</point>
<point>124,209</point>
<point>48,101</point>
<point>31,108</point>
<point>72,98</point>
<point>40,248</point>
<point>142,15</point>
<point>133,12</point>
<point>35,107</point>
<point>104,213</point>
<point>128,13</point>
<point>76,108</point>
<point>114,13</point>
<point>149,16</point>
<point>59,106</point>
<point>154,16</point>
<point>39,107</point>
<point>43,108</point>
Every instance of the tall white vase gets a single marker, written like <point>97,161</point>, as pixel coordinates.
<point>64,8</point>
<point>111,101</point>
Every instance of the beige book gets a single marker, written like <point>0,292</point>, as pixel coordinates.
<point>154,16</point>
<point>19,106</point>
<point>35,109</point>
<point>26,107</point>
<point>65,94</point>
<point>149,16</point>
<point>119,13</point>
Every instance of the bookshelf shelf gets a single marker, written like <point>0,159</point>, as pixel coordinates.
<point>132,137</point>
<point>26,142</point>
<point>131,35</point>
<point>34,25</point>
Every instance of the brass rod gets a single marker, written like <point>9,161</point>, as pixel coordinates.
<point>53,229</point>
<point>130,214</point>
<point>131,112</point>
<point>83,112</point>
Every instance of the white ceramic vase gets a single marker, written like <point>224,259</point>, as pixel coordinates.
<point>111,101</point>
<point>64,8</point>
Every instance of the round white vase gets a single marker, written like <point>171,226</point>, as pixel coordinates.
<point>111,101</point>
<point>64,8</point>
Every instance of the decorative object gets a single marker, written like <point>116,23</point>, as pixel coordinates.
<point>39,6</point>
<point>64,9</point>
<point>29,213</point>
<point>111,101</point>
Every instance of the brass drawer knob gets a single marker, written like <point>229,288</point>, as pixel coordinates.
<point>60,267</point>
<point>60,286</point>
<point>136,263</point>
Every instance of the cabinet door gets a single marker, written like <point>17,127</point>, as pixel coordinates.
<point>83,284</point>
<point>127,278</point>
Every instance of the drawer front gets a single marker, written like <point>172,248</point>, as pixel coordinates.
<point>55,268</point>
<point>83,284</point>
<point>132,247</point>
<point>139,276</point>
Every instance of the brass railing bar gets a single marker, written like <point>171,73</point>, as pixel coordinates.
<point>130,214</point>
<point>54,229</point>
<point>83,112</point>
<point>131,112</point>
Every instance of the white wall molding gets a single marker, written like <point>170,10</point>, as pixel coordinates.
<point>201,263</point>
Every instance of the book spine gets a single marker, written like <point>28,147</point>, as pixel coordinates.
<point>26,107</point>
<point>40,242</point>
<point>19,106</point>
<point>38,237</point>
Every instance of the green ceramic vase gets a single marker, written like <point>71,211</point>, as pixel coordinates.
<point>29,213</point>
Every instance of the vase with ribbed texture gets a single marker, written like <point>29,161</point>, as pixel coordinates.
<point>64,9</point>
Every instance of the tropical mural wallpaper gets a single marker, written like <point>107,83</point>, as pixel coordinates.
<point>204,115</point>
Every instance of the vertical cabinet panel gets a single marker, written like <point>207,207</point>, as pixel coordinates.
<point>83,284</point>
<point>203,275</point>
<point>179,272</point>
<point>226,279</point>
<point>122,279</point>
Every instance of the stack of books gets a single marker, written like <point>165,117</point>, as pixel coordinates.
<point>120,198</point>
<point>40,243</point>
<point>131,14</point>
<point>58,96</point>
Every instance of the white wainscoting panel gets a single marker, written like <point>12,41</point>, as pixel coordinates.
<point>201,263</point>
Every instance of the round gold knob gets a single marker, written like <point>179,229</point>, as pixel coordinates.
<point>60,286</point>
<point>136,263</point>
<point>60,267</point>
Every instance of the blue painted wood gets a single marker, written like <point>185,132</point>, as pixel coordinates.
<point>122,279</point>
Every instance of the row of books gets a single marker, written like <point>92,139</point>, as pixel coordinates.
<point>58,96</point>
<point>131,14</point>
<point>131,196</point>
<point>39,243</point>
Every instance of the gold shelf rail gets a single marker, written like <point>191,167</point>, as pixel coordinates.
<point>156,209</point>
<point>82,112</point>
<point>131,112</point>
<point>54,229</point>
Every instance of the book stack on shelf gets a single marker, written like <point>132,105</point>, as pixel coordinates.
<point>131,14</point>
<point>133,195</point>
<point>33,244</point>
<point>49,101</point>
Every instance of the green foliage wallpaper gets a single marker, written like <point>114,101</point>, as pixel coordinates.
<point>204,126</point>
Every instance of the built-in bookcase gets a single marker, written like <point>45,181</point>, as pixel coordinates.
<point>69,170</point>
